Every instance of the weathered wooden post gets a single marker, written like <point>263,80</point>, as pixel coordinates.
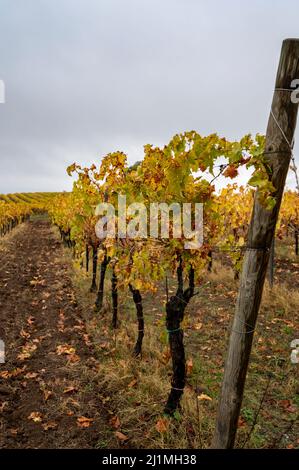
<point>279,138</point>
<point>271,264</point>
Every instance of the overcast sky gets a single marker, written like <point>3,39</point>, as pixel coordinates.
<point>86,77</point>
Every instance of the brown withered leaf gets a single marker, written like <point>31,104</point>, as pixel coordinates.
<point>73,358</point>
<point>65,349</point>
<point>231,171</point>
<point>31,375</point>
<point>70,389</point>
<point>37,282</point>
<point>162,425</point>
<point>47,394</point>
<point>5,374</point>
<point>105,399</point>
<point>27,351</point>
<point>49,425</point>
<point>109,352</point>
<point>35,416</point>
<point>288,406</point>
<point>133,383</point>
<point>14,431</point>
<point>24,334</point>
<point>166,355</point>
<point>86,339</point>
<point>3,405</point>
<point>120,436</point>
<point>84,422</point>
<point>115,422</point>
<point>241,422</point>
<point>189,366</point>
<point>74,402</point>
<point>197,326</point>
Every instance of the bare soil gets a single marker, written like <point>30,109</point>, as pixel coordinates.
<point>48,383</point>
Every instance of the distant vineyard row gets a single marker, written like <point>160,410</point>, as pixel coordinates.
<point>16,208</point>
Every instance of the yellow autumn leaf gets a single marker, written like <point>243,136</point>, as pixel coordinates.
<point>203,396</point>
<point>35,416</point>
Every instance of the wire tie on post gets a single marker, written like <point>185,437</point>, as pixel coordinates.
<point>173,331</point>
<point>180,298</point>
<point>252,329</point>
<point>282,132</point>
<point>243,332</point>
<point>257,248</point>
<point>284,89</point>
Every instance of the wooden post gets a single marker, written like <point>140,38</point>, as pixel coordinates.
<point>271,263</point>
<point>260,236</point>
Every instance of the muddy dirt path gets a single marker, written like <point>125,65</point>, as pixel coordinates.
<point>49,395</point>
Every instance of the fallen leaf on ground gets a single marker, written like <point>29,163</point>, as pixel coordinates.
<point>35,416</point>
<point>86,339</point>
<point>197,326</point>
<point>189,366</point>
<point>73,402</point>
<point>70,389</point>
<point>31,375</point>
<point>3,405</point>
<point>109,352</point>
<point>47,394</point>
<point>65,349</point>
<point>166,355</point>
<point>241,422</point>
<point>288,406</point>
<point>38,282</point>
<point>27,351</point>
<point>105,399</point>
<point>73,358</point>
<point>115,422</point>
<point>132,383</point>
<point>203,396</point>
<point>5,374</point>
<point>14,431</point>
<point>84,422</point>
<point>49,425</point>
<point>24,334</point>
<point>120,436</point>
<point>162,425</point>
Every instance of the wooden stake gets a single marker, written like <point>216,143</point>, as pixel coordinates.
<point>260,236</point>
<point>271,264</point>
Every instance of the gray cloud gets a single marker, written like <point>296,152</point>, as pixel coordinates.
<point>84,77</point>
